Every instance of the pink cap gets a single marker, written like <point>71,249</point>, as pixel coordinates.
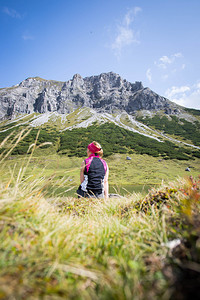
<point>93,148</point>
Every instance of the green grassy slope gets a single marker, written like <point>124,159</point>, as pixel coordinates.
<point>126,176</point>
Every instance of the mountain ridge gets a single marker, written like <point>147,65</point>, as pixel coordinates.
<point>107,92</point>
<point>86,117</point>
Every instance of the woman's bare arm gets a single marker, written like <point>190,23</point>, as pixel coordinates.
<point>106,186</point>
<point>82,171</point>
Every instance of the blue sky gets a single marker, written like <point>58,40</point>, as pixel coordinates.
<point>156,42</point>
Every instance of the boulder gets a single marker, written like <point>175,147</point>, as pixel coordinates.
<point>128,158</point>
<point>187,169</point>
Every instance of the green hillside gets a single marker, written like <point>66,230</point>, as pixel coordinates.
<point>114,139</point>
<point>177,127</point>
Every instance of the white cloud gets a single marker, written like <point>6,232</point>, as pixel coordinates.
<point>165,60</point>
<point>174,90</point>
<point>126,35</point>
<point>26,36</point>
<point>188,96</point>
<point>198,86</point>
<point>12,13</point>
<point>178,55</point>
<point>129,17</point>
<point>149,75</point>
<point>167,66</point>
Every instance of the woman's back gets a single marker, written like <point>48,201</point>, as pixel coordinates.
<point>95,169</point>
<point>94,173</point>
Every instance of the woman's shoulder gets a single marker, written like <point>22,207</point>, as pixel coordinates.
<point>83,163</point>
<point>104,163</point>
<point>102,160</point>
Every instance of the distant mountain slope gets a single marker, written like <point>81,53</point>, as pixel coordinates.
<point>107,92</point>
<point>123,133</point>
<point>158,127</point>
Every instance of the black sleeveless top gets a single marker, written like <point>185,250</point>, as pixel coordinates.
<point>94,175</point>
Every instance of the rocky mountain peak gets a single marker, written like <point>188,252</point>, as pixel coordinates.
<point>77,77</point>
<point>28,82</point>
<point>107,92</point>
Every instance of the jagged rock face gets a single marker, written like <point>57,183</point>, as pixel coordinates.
<point>148,100</point>
<point>106,92</point>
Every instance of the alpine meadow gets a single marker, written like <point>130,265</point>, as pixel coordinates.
<point>141,243</point>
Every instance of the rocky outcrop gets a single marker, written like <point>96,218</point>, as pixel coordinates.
<point>107,92</point>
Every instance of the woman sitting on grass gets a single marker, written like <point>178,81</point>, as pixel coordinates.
<point>94,174</point>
